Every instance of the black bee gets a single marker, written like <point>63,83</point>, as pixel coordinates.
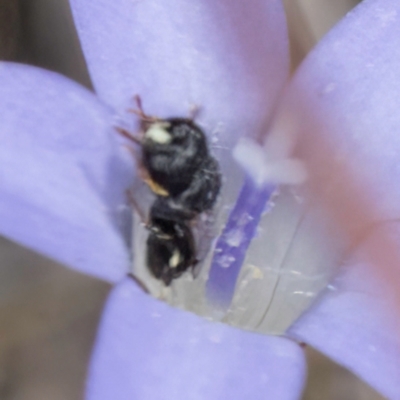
<point>177,166</point>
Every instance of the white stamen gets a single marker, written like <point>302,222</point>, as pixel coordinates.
<point>251,157</point>
<point>265,166</point>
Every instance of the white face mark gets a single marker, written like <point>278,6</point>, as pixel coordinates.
<point>175,259</point>
<point>158,134</point>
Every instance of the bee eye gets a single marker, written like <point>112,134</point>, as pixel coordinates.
<point>157,133</point>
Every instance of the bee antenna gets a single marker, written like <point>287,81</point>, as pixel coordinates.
<point>128,135</point>
<point>194,112</point>
<point>139,111</point>
<point>138,101</point>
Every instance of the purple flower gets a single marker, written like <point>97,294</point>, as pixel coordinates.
<point>64,175</point>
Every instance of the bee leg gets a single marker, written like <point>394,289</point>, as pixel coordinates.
<point>195,268</point>
<point>143,173</point>
<point>134,205</point>
<point>138,282</point>
<point>132,151</point>
<point>194,111</point>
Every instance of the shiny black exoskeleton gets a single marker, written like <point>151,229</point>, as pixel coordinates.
<point>170,248</point>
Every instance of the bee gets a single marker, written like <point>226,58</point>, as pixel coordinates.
<point>177,166</point>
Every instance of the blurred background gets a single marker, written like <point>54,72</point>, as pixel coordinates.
<point>49,314</point>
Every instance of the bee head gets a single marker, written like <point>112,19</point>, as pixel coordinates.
<point>178,133</point>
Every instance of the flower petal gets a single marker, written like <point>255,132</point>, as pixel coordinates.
<point>147,350</point>
<point>228,57</point>
<point>345,96</point>
<point>354,325</point>
<point>346,92</point>
<point>63,174</point>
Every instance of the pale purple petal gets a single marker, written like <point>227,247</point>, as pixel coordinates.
<point>63,173</point>
<point>354,324</point>
<point>147,350</point>
<point>229,57</point>
<point>347,93</point>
